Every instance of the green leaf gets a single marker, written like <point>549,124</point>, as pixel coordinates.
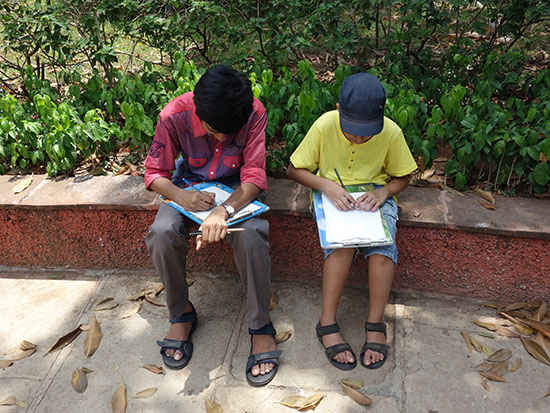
<point>460,181</point>
<point>541,173</point>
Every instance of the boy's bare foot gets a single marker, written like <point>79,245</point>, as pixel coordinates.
<point>260,344</point>
<point>333,339</point>
<point>372,356</point>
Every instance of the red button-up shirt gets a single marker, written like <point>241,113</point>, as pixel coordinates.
<point>179,131</point>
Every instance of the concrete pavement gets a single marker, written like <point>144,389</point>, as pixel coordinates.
<point>429,368</point>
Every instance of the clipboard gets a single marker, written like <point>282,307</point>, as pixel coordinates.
<point>222,193</point>
<point>321,222</point>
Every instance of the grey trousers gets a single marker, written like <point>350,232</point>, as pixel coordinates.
<point>167,243</point>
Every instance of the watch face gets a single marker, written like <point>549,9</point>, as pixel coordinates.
<point>230,210</point>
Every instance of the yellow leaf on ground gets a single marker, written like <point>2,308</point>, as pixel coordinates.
<point>22,185</point>
<point>283,336</point>
<point>354,384</point>
<point>357,396</point>
<point>212,407</point>
<point>132,309</point>
<point>485,195</point>
<point>9,401</point>
<point>27,345</point>
<point>93,338</point>
<point>488,326</point>
<point>154,368</point>
<point>145,394</point>
<point>295,401</point>
<point>118,401</point>
<point>312,401</point>
<point>22,354</point>
<point>468,341</point>
<point>153,300</point>
<point>493,377</point>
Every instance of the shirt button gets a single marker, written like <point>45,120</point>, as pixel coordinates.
<point>217,150</point>
<point>211,173</point>
<point>233,165</point>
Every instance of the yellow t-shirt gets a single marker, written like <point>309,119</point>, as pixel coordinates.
<point>325,147</point>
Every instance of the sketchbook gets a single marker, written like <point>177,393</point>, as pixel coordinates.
<point>222,192</point>
<point>349,229</point>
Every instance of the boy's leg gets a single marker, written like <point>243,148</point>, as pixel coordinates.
<point>335,272</point>
<point>381,273</point>
<point>167,245</point>
<point>251,254</point>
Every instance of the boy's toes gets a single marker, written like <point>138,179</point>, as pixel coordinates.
<point>349,357</point>
<point>178,355</point>
<point>255,370</point>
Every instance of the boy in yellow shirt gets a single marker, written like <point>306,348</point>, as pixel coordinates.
<point>364,147</point>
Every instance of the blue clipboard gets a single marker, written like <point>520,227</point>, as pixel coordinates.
<point>204,185</point>
<point>321,220</point>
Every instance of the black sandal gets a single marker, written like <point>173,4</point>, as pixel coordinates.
<point>265,357</point>
<point>185,346</point>
<point>378,347</point>
<point>335,349</point>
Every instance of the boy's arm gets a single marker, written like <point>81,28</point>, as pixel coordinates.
<point>371,201</point>
<point>338,195</point>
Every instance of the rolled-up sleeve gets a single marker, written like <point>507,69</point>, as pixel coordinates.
<point>253,169</point>
<point>165,148</point>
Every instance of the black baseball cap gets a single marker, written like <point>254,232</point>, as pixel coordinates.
<point>361,105</point>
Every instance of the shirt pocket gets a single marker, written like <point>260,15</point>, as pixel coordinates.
<point>197,162</point>
<point>232,161</point>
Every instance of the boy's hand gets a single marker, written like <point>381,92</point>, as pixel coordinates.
<point>196,200</point>
<point>341,198</point>
<point>371,201</point>
<point>214,227</point>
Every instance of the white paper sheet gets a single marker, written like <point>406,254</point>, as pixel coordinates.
<point>221,196</point>
<point>352,227</point>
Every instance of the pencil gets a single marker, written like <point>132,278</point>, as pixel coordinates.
<point>228,230</point>
<point>339,179</point>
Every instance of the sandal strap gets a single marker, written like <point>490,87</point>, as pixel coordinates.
<point>186,347</point>
<point>377,327</point>
<point>326,330</point>
<point>265,357</point>
<point>267,330</point>
<point>189,317</point>
<point>378,347</point>
<point>337,348</point>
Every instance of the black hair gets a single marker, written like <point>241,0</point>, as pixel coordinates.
<point>223,99</point>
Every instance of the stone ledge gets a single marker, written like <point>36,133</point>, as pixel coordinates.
<point>419,207</point>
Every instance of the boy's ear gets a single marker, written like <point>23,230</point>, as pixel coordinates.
<point>337,105</point>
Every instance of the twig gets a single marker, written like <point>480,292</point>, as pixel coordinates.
<point>498,171</point>
<point>131,57</point>
<point>511,170</point>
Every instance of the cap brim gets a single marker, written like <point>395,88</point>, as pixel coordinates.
<point>366,128</point>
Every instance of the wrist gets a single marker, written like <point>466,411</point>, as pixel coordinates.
<point>221,211</point>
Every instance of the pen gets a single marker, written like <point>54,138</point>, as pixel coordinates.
<point>228,230</point>
<point>339,179</point>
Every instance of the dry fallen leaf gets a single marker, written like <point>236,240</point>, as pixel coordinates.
<point>22,185</point>
<point>485,334</point>
<point>27,345</point>
<point>190,282</point>
<point>295,401</point>
<point>93,338</point>
<point>500,355</point>
<point>499,369</point>
<point>488,326</point>
<point>543,342</point>
<point>154,368</point>
<point>65,340</point>
<point>535,350</point>
<point>484,366</point>
<point>493,377</point>
<point>357,396</point>
<point>485,384</point>
<point>118,401</point>
<point>145,394</point>
<point>476,345</point>
<point>212,407</point>
<point>515,306</point>
<point>153,300</point>
<point>538,326</point>
<point>506,332</point>
<point>515,364</point>
<point>84,327</point>
<point>485,195</point>
<point>107,303</point>
<point>22,354</point>
<point>5,364</point>
<point>273,302</point>
<point>312,401</point>
<point>468,341</point>
<point>547,393</point>
<point>283,336</point>
<point>541,312</point>
<point>132,309</point>
<point>523,330</point>
<point>354,384</point>
<point>79,380</point>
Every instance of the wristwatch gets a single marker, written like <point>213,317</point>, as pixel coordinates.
<point>229,209</point>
